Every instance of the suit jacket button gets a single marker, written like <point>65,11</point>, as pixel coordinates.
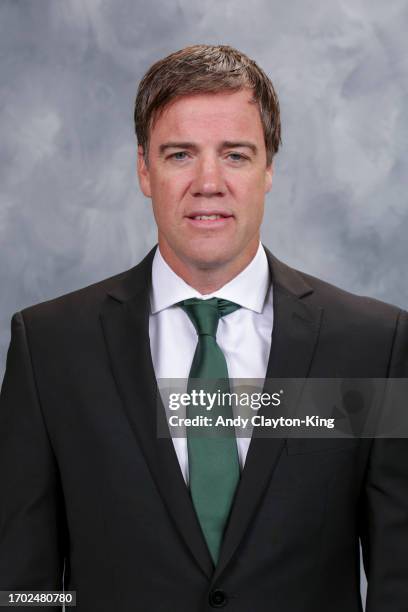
<point>218,599</point>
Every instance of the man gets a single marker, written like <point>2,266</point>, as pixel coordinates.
<point>150,523</point>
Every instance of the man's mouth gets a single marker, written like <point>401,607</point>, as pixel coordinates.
<point>209,217</point>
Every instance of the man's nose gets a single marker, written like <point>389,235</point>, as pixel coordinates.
<point>208,179</point>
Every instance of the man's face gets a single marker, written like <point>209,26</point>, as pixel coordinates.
<point>207,157</point>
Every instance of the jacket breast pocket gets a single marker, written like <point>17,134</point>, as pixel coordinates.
<point>302,446</point>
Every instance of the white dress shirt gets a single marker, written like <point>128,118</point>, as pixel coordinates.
<point>244,336</point>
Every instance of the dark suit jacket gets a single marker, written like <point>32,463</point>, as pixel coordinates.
<point>85,481</point>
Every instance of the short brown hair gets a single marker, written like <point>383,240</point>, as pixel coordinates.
<point>205,69</point>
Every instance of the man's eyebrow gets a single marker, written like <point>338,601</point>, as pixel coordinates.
<point>227,144</point>
<point>176,145</point>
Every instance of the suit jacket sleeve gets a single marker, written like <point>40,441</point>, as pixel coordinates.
<point>31,525</point>
<point>384,520</point>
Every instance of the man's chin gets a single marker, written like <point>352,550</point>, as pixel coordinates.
<point>209,259</point>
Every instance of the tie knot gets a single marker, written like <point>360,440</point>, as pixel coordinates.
<point>205,314</point>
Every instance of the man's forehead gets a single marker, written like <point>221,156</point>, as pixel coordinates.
<point>208,101</point>
<point>208,111</point>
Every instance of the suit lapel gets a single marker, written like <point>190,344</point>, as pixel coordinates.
<point>125,320</point>
<point>295,332</point>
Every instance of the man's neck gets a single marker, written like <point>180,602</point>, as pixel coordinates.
<point>208,279</point>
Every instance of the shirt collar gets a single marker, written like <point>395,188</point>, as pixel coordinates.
<point>248,288</point>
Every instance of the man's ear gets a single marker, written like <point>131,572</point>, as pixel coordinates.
<point>268,176</point>
<point>143,172</point>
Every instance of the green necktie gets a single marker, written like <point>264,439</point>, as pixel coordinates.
<point>213,458</point>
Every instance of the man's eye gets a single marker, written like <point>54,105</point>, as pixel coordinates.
<point>180,155</point>
<point>236,156</point>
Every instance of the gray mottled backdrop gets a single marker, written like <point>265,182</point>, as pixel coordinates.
<point>71,212</point>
